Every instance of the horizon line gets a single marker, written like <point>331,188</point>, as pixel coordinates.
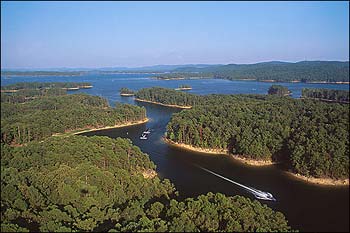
<point>194,64</point>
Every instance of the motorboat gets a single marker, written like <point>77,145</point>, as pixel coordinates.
<point>263,195</point>
<point>143,137</point>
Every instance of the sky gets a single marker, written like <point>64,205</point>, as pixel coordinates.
<point>132,34</point>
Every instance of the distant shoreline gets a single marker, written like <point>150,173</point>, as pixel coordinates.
<point>252,162</point>
<point>167,105</point>
<point>75,132</point>
<point>47,88</point>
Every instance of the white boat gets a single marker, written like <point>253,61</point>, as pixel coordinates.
<point>264,196</point>
<point>143,137</point>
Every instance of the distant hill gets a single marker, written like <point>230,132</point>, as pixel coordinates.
<point>304,71</point>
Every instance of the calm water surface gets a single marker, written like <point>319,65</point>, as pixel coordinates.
<point>307,207</point>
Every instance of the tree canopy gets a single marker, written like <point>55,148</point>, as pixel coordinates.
<point>24,119</point>
<point>305,71</point>
<point>80,183</point>
<point>311,137</point>
<point>326,94</point>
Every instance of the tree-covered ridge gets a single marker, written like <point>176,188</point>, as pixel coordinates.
<point>45,85</point>
<point>278,90</point>
<point>311,137</point>
<point>306,71</point>
<point>326,94</point>
<point>95,183</point>
<point>42,117</point>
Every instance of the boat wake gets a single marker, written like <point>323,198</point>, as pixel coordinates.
<point>257,193</point>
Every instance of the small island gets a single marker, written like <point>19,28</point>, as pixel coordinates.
<point>279,90</point>
<point>126,92</point>
<point>183,88</point>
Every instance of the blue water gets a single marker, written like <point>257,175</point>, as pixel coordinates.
<point>108,85</point>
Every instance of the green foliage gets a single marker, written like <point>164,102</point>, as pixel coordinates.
<point>76,183</point>
<point>326,94</point>
<point>42,117</point>
<point>311,137</point>
<point>166,96</point>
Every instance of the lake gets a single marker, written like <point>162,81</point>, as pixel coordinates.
<point>308,207</point>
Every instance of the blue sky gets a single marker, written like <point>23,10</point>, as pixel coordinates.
<point>109,34</point>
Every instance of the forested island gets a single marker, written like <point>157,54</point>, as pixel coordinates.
<point>310,137</point>
<point>341,96</point>
<point>126,92</point>
<point>279,90</point>
<point>78,183</point>
<point>304,71</point>
<point>165,96</point>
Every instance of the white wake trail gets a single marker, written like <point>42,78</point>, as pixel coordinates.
<point>257,193</point>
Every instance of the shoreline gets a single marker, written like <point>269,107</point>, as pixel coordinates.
<point>251,162</point>
<point>183,88</point>
<point>166,105</point>
<point>127,95</point>
<point>319,181</point>
<point>48,88</point>
<point>74,132</point>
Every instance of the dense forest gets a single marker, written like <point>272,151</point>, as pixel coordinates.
<point>278,90</point>
<point>326,94</point>
<point>25,95</point>
<point>305,71</point>
<point>80,183</point>
<point>310,137</point>
<point>45,85</point>
<point>166,96</point>
<point>38,118</point>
